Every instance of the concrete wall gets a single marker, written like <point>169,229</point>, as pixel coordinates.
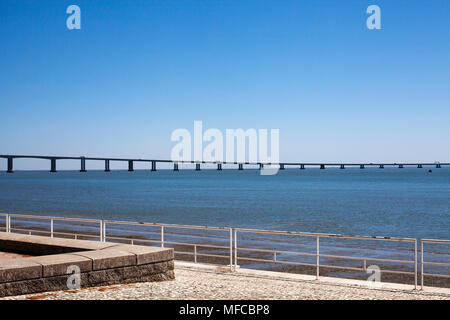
<point>99,264</point>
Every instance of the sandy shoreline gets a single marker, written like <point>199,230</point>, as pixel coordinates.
<point>201,284</point>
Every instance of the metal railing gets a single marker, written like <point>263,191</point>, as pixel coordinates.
<point>11,218</point>
<point>423,262</point>
<point>274,253</point>
<point>103,230</point>
<point>162,241</point>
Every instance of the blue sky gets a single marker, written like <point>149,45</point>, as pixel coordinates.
<point>137,70</point>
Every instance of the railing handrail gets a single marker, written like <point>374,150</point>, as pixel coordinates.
<point>435,241</point>
<point>29,216</point>
<point>325,255</point>
<point>311,234</point>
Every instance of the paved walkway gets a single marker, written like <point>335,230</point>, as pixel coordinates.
<point>217,283</point>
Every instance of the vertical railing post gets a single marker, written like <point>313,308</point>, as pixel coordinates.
<point>421,264</point>
<point>195,253</point>
<point>415,264</point>
<point>317,258</point>
<point>235,249</point>
<point>231,249</point>
<point>162,236</point>
<point>51,228</point>
<point>104,230</point>
<point>101,230</point>
<point>7,223</point>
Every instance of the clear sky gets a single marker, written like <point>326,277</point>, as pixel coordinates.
<point>137,70</point>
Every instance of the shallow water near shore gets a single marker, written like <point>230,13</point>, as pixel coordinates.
<point>405,202</point>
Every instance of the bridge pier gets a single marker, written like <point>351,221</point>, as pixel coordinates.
<point>419,166</point>
<point>175,166</point>
<point>381,166</point>
<point>438,165</point>
<point>153,165</point>
<point>281,166</point>
<point>219,166</point>
<point>130,165</point>
<point>322,166</point>
<point>107,166</point>
<point>302,167</point>
<point>342,166</point>
<point>361,166</point>
<point>10,165</point>
<point>83,165</point>
<point>52,165</point>
<point>241,166</point>
<point>400,166</point>
<point>197,167</point>
<point>261,166</point>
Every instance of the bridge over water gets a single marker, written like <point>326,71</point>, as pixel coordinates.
<point>240,165</point>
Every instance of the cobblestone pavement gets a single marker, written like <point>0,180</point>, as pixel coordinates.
<point>197,284</point>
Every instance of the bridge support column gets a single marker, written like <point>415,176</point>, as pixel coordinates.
<point>53,165</point>
<point>10,165</point>
<point>342,166</point>
<point>419,166</point>
<point>83,165</point>
<point>400,166</point>
<point>281,166</point>
<point>438,165</point>
<point>197,167</point>
<point>361,166</point>
<point>381,166</point>
<point>241,166</point>
<point>302,167</point>
<point>219,166</point>
<point>107,166</point>
<point>175,166</point>
<point>153,165</point>
<point>130,165</point>
<point>322,166</point>
<point>261,166</point>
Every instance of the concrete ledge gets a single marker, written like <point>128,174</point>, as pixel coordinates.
<point>146,254</point>
<point>109,258</point>
<point>147,273</point>
<point>99,263</point>
<point>19,269</point>
<point>40,245</point>
<point>56,265</point>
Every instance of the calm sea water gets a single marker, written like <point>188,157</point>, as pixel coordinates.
<point>405,202</point>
